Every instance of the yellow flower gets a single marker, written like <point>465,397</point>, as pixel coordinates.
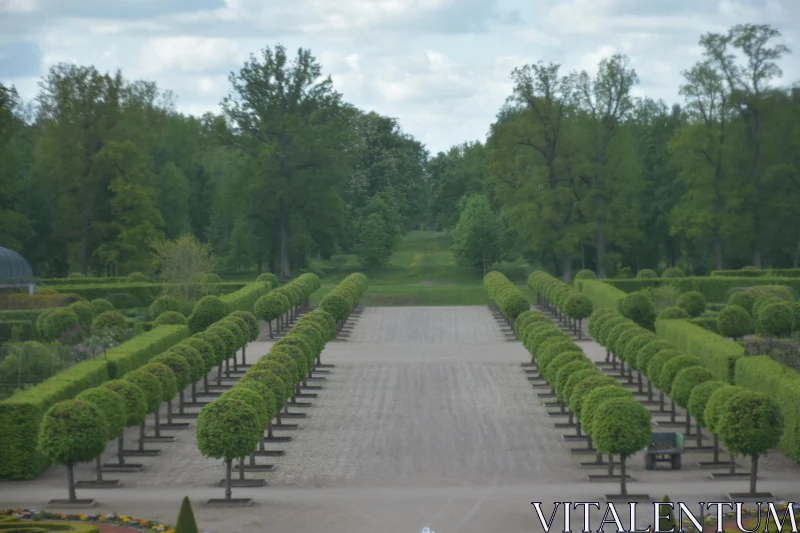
<point>84,517</point>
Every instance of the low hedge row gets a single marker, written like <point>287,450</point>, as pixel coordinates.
<point>506,295</point>
<point>714,289</point>
<point>21,414</point>
<point>762,374</point>
<point>341,301</point>
<point>54,282</point>
<point>716,353</point>
<point>245,298</point>
<point>602,295</point>
<point>145,293</point>
<point>759,273</point>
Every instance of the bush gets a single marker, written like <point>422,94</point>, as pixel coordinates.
<point>210,278</point>
<point>743,299</point>
<point>673,272</point>
<point>761,302</point>
<point>163,304</point>
<point>673,313</point>
<point>638,307</point>
<point>685,382</point>
<point>584,274</point>
<point>83,310</point>
<point>693,303</point>
<point>207,310</point>
<point>646,273</point>
<point>108,320</point>
<point>270,278</point>
<point>137,277</point>
<point>775,319</point>
<point>734,321</point>
<point>170,318</point>
<point>57,322</point>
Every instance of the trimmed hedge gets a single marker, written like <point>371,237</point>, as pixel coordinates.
<point>759,273</point>
<point>716,353</point>
<point>145,293</point>
<point>245,298</point>
<point>762,374</point>
<point>509,299</point>
<point>341,301</point>
<point>82,281</point>
<point>714,289</point>
<point>21,414</point>
<point>602,295</point>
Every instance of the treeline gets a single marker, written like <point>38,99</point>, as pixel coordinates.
<point>583,174</point>
<point>99,169</point>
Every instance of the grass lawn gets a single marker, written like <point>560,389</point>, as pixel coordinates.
<point>422,271</point>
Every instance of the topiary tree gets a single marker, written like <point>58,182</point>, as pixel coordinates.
<point>775,319</point>
<point>83,310</point>
<point>337,305</point>
<point>135,402</point>
<point>210,278</point>
<point>137,277</point>
<point>112,406</point>
<point>169,388</point>
<point>578,306</point>
<point>622,426</point>
<point>108,320</point>
<point>200,356</point>
<point>254,399</point>
<point>697,406</point>
<point>743,299</point>
<point>666,522</point>
<point>290,365</point>
<point>227,429</point>
<point>750,423</point>
<point>673,272</point>
<point>182,371</point>
<point>265,392</point>
<point>646,273</point>
<point>72,431</point>
<point>101,305</point>
<point>713,411</point>
<point>693,303</point>
<point>186,522</point>
<point>271,307</point>
<point>563,375</point>
<point>270,278</point>
<point>638,307</point>
<point>252,323</point>
<point>151,386</point>
<point>668,372</point>
<point>734,322</point>
<point>683,384</point>
<point>164,304</point>
<point>231,344</point>
<point>584,274</point>
<point>761,302</point>
<point>206,311</point>
<point>170,318</point>
<point>279,389</point>
<point>57,322</point>
<point>578,388</point>
<point>673,313</point>
<point>591,401</point>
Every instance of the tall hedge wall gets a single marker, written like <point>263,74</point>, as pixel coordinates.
<point>21,414</point>
<point>245,298</point>
<point>760,273</point>
<point>717,354</point>
<point>602,295</point>
<point>760,373</point>
<point>715,289</point>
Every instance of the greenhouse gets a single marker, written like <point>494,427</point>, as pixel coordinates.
<point>15,271</point>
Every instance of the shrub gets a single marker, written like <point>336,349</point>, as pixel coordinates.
<point>646,273</point>
<point>210,278</point>
<point>108,320</point>
<point>57,322</point>
<point>162,304</point>
<point>137,277</point>
<point>734,321</point>
<point>685,382</point>
<point>775,319</point>
<point>673,272</point>
<point>270,278</point>
<point>584,274</point>
<point>637,307</point>
<point>207,310</point>
<point>101,305</point>
<point>83,310</point>
<point>743,299</point>
<point>669,313</point>
<point>186,522</point>
<point>170,318</point>
<point>761,302</point>
<point>75,275</point>
<point>693,303</point>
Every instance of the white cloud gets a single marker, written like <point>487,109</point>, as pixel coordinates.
<point>188,54</point>
<point>17,6</point>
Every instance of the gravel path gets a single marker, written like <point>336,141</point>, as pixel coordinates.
<point>427,419</point>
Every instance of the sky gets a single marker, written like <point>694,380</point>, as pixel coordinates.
<point>441,67</point>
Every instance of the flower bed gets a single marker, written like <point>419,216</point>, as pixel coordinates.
<point>133,523</point>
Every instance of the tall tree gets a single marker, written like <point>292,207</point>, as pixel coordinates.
<point>15,152</point>
<point>291,121</point>
<point>459,172</point>
<point>479,238</point>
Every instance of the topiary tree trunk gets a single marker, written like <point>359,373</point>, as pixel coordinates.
<point>72,498</point>
<point>228,468</point>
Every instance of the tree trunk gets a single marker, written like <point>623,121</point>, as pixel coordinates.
<point>733,463</point>
<point>269,430</point>
<point>84,244</point>
<point>71,483</point>
<point>121,448</point>
<point>158,422</point>
<point>717,248</point>
<point>194,393</point>
<point>610,465</point>
<point>623,485</point>
<point>269,323</point>
<point>753,474</point>
<point>578,429</point>
<point>716,448</point>
<point>241,468</point>
<point>672,411</point>
<point>169,412</point>
<point>649,391</point>
<point>219,375</point>
<point>244,355</point>
<point>141,437</point>
<point>98,467</point>
<point>205,383</point>
<point>688,424</point>
<point>699,434</point>
<point>639,381</point>
<point>286,269</point>
<point>180,401</point>
<point>600,244</point>
<point>228,479</point>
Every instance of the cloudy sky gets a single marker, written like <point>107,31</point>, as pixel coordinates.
<point>441,66</point>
